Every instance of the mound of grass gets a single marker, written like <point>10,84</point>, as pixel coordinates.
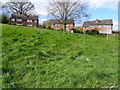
<point>36,58</point>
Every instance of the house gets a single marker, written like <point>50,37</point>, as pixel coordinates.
<point>103,26</point>
<point>25,20</point>
<point>58,24</point>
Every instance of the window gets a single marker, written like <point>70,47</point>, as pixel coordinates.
<point>91,26</point>
<point>108,26</point>
<point>57,24</point>
<point>19,20</point>
<point>35,21</point>
<point>102,26</point>
<point>35,26</point>
<point>52,24</point>
<point>19,24</point>
<point>67,25</point>
<point>29,25</point>
<point>57,28</point>
<point>29,20</point>
<point>67,29</point>
<point>13,19</point>
<point>71,24</point>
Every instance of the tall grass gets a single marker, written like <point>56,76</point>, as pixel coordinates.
<point>36,58</point>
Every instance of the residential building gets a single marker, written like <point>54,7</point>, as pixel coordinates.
<point>103,26</point>
<point>25,20</point>
<point>58,24</point>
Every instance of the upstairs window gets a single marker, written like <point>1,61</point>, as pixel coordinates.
<point>71,24</point>
<point>91,27</point>
<point>35,21</point>
<point>13,19</point>
<point>29,20</point>
<point>19,20</point>
<point>57,24</point>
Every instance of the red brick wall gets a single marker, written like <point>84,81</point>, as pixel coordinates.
<point>25,23</point>
<point>104,28</point>
<point>69,26</point>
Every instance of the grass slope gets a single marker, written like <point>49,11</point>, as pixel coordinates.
<point>36,58</point>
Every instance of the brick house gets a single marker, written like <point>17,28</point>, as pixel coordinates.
<point>25,20</point>
<point>58,24</point>
<point>103,26</point>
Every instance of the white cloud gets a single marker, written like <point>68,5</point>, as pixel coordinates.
<point>111,4</point>
<point>29,0</point>
<point>3,1</point>
<point>40,8</point>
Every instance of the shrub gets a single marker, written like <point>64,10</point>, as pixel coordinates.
<point>3,19</point>
<point>94,32</point>
<point>79,30</point>
<point>96,28</point>
<point>88,32</point>
<point>61,29</point>
<point>43,25</point>
<point>48,27</point>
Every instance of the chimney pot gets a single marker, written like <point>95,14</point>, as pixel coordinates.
<point>97,20</point>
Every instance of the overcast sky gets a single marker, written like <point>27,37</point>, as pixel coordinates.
<point>101,9</point>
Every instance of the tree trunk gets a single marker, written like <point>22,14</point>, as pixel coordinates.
<point>64,29</point>
<point>64,23</point>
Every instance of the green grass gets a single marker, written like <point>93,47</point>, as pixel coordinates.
<point>36,58</point>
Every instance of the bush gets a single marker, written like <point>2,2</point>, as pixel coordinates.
<point>78,31</point>
<point>3,19</point>
<point>88,32</point>
<point>61,29</point>
<point>43,25</point>
<point>92,32</point>
<point>48,27</point>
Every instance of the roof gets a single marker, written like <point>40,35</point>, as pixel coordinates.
<point>58,21</point>
<point>100,22</point>
<point>25,16</point>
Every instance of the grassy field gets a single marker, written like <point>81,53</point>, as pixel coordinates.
<point>36,58</point>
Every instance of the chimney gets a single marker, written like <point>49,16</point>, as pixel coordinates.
<point>97,20</point>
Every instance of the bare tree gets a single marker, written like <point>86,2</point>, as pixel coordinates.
<point>21,6</point>
<point>64,10</point>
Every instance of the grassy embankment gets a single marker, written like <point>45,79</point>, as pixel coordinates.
<point>34,58</point>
